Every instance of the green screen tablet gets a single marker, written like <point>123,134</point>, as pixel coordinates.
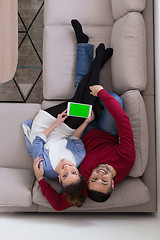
<point>79,110</point>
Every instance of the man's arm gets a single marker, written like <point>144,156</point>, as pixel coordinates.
<point>126,145</point>
<point>58,202</point>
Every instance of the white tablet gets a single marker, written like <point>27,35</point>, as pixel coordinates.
<point>79,110</point>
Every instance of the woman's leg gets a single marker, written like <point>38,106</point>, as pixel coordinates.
<point>82,94</point>
<point>91,78</point>
<point>106,122</point>
<point>85,52</point>
<point>83,63</point>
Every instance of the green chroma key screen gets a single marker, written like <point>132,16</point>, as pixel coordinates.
<point>80,110</point>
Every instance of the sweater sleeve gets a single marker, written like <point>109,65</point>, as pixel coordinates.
<point>38,147</point>
<point>58,202</point>
<point>126,146</point>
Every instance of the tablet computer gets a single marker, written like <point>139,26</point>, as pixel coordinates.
<point>79,110</point>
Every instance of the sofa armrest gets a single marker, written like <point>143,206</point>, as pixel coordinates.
<point>135,108</point>
<point>121,7</point>
<point>128,63</point>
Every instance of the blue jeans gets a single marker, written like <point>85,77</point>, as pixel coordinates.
<point>83,61</point>
<point>105,122</point>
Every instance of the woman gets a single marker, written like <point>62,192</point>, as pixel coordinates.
<point>58,146</point>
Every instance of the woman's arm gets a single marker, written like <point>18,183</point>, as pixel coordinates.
<point>79,131</point>
<point>38,171</point>
<point>60,119</point>
<point>58,202</point>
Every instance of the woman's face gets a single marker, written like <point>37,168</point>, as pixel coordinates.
<point>68,173</point>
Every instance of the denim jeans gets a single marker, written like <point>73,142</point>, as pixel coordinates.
<point>83,61</point>
<point>105,122</point>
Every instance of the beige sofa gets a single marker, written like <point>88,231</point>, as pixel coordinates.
<point>127,26</point>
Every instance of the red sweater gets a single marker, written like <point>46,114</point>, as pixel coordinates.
<point>101,147</point>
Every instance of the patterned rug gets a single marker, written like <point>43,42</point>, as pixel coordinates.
<point>26,86</point>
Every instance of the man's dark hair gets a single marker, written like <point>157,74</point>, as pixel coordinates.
<point>98,196</point>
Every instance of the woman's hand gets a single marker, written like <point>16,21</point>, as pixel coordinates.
<point>95,89</point>
<point>90,119</point>
<point>38,170</point>
<point>61,117</point>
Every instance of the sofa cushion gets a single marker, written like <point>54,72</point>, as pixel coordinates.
<point>121,7</point>
<point>128,63</point>
<point>59,57</point>
<point>15,187</point>
<point>38,197</point>
<point>90,12</point>
<point>12,149</point>
<point>135,108</point>
<point>48,104</point>
<point>123,195</point>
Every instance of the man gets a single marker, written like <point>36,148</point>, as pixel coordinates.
<point>108,159</point>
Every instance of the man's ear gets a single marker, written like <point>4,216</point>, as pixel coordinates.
<point>59,179</point>
<point>112,184</point>
<point>88,180</point>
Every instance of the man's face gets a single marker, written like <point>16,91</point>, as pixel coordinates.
<point>101,179</point>
<point>68,173</point>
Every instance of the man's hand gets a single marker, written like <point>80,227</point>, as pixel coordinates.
<point>61,117</point>
<point>90,119</point>
<point>95,89</point>
<point>38,171</point>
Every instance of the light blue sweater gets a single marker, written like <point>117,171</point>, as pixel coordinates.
<point>76,146</point>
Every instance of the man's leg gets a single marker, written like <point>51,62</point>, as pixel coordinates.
<point>85,52</point>
<point>92,78</point>
<point>81,37</point>
<point>106,122</point>
<point>82,94</point>
<point>83,61</point>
